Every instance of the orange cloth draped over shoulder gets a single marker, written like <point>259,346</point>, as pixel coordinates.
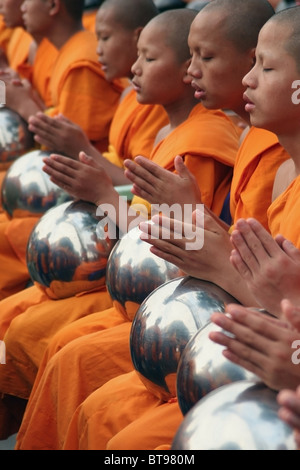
<point>80,91</point>
<point>18,48</point>
<point>133,129</point>
<point>144,422</point>
<point>283,214</point>
<point>89,20</point>
<point>44,60</point>
<point>257,162</point>
<point>5,34</point>
<point>96,355</point>
<point>76,71</point>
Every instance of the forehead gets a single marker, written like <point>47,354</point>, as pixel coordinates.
<point>274,34</point>
<point>152,34</point>
<point>106,18</point>
<point>209,27</point>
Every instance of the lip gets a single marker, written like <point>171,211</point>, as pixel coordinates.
<point>199,94</point>
<point>249,106</point>
<point>136,86</point>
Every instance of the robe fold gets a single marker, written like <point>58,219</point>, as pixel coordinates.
<point>257,162</point>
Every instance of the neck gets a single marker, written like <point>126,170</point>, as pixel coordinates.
<point>179,111</point>
<point>62,32</point>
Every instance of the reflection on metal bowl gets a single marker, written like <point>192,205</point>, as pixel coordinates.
<point>27,190</point>
<point>15,138</point>
<point>240,416</point>
<point>133,272</point>
<point>203,368</point>
<point>164,324</point>
<point>68,250</point>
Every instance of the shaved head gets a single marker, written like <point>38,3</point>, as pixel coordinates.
<point>243,19</point>
<point>131,14</point>
<point>291,18</point>
<point>176,26</point>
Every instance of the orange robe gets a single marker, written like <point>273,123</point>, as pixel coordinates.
<point>107,352</point>
<point>80,91</point>
<point>5,34</point>
<point>89,20</point>
<point>76,67</point>
<point>18,48</point>
<point>283,214</point>
<point>257,162</point>
<point>143,422</point>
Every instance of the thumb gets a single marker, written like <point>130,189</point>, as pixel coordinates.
<point>291,313</point>
<point>198,218</point>
<point>181,168</point>
<point>86,159</point>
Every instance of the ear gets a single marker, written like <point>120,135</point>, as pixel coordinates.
<point>186,77</point>
<point>252,55</point>
<point>137,32</point>
<point>55,7</point>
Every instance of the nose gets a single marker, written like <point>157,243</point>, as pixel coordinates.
<point>99,50</point>
<point>23,6</point>
<point>249,79</point>
<point>136,69</point>
<point>194,69</point>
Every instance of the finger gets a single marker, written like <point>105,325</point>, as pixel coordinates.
<point>264,237</point>
<point>61,165</point>
<point>238,263</point>
<point>155,232</point>
<point>291,313</point>
<point>291,250</point>
<point>249,326</point>
<point>181,169</point>
<point>58,178</point>
<point>144,181</point>
<point>238,353</point>
<point>250,245</point>
<point>289,399</point>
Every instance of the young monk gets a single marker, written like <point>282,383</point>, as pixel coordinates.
<point>257,162</point>
<point>276,63</point>
<point>163,58</point>
<point>139,389</point>
<point>19,44</point>
<point>92,109</point>
<point>24,59</point>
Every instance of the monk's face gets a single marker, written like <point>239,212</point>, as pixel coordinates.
<point>217,67</point>
<point>117,46</point>
<point>11,11</point>
<point>36,16</point>
<point>157,75</point>
<point>273,87</point>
